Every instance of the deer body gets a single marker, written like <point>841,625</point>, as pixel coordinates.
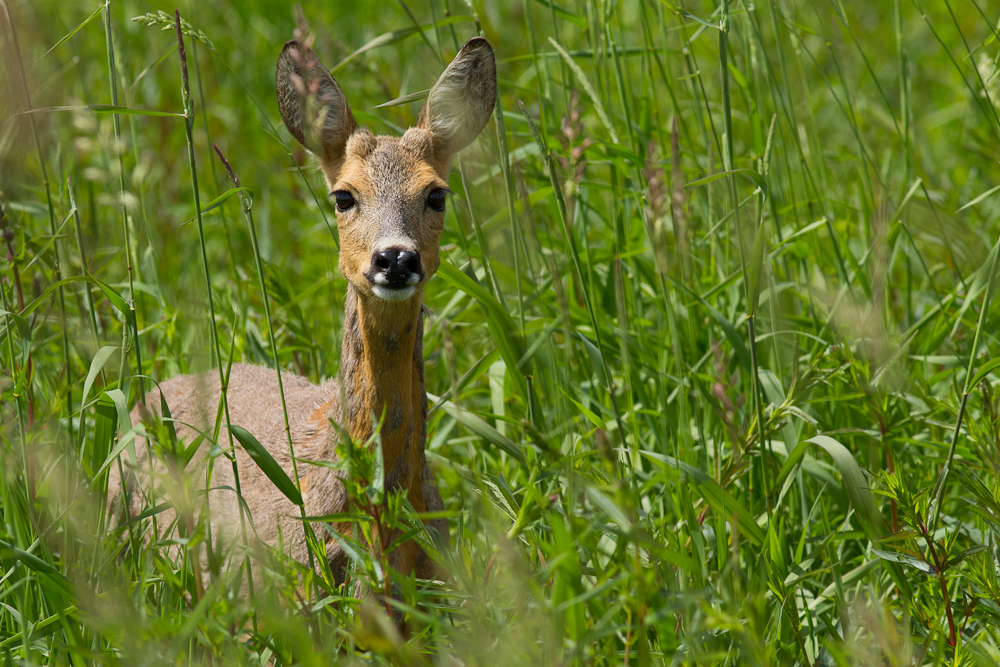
<point>390,199</point>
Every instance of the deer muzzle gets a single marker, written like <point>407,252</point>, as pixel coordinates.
<point>394,273</point>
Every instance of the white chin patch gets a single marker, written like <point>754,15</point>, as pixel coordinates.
<point>392,293</point>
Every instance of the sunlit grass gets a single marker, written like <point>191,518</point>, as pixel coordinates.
<point>711,356</point>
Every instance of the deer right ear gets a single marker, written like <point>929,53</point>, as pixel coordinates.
<point>312,105</point>
<point>461,102</point>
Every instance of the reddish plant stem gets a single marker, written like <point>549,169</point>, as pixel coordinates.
<point>939,566</point>
<point>374,511</point>
<point>953,634</point>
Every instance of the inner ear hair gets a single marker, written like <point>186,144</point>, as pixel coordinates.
<point>461,102</point>
<point>312,105</point>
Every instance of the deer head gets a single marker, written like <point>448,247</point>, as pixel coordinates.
<point>389,192</point>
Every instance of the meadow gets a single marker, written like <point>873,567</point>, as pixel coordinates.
<point>712,354</point>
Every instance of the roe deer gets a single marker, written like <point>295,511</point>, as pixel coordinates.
<point>390,198</point>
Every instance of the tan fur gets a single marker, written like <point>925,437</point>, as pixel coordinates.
<point>382,370</point>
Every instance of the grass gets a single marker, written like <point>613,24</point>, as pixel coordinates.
<point>712,352</point>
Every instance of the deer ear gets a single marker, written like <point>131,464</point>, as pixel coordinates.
<point>312,105</point>
<point>460,103</point>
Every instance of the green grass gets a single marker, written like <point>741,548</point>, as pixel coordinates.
<point>749,270</point>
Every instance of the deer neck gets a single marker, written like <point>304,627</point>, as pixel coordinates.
<point>382,372</point>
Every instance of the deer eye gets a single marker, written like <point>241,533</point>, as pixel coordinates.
<point>345,200</point>
<point>436,199</point>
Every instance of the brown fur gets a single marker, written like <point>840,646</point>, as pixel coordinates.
<point>382,367</point>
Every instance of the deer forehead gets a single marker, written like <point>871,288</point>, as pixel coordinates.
<point>389,170</point>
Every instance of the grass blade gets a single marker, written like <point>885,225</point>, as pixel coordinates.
<point>266,463</point>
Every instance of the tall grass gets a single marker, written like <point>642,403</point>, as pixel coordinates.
<point>712,354</point>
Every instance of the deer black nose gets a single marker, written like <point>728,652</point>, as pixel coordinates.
<point>396,267</point>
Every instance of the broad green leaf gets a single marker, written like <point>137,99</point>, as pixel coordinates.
<point>720,500</point>
<point>856,485</point>
<point>756,263</point>
<point>105,433</point>
<point>96,365</point>
<point>124,420</point>
<point>983,371</point>
<point>776,552</point>
<point>609,507</point>
<point>591,415</point>
<point>31,561</point>
<point>793,459</point>
<point>43,628</point>
<point>475,424</point>
<point>267,464</point>
<point>121,406</point>
<point>126,440</point>
<point>168,419</point>
<point>188,454</point>
<point>906,559</point>
<point>41,298</point>
<point>116,299</point>
<point>46,571</point>
<point>861,498</point>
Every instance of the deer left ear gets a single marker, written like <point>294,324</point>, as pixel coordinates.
<point>460,103</point>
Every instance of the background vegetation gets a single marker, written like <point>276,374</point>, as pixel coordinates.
<point>736,419</point>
